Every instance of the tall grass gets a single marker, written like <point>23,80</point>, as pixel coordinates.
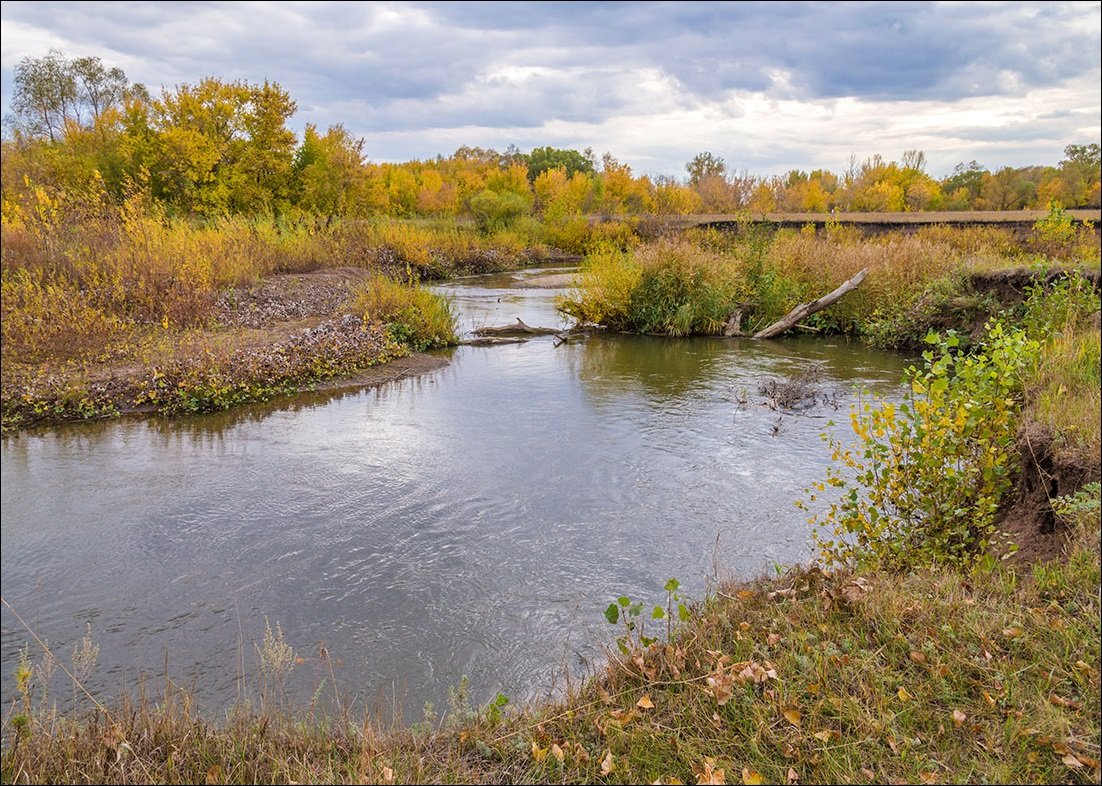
<point>74,278</point>
<point>693,284</point>
<point>410,313</point>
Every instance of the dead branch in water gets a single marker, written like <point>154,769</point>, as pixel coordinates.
<point>519,329</point>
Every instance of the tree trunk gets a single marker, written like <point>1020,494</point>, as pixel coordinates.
<point>807,309</point>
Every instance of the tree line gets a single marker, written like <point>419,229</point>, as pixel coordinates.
<point>218,148</point>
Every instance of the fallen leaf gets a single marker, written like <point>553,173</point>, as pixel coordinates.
<point>752,777</point>
<point>1060,701</point>
<point>388,775</point>
<point>793,716</point>
<point>645,703</point>
<point>721,687</point>
<point>214,774</point>
<point>557,752</point>
<point>903,694</point>
<point>1071,761</point>
<point>826,735</point>
<point>928,777</point>
<point>604,695</point>
<point>538,753</point>
<point>580,753</point>
<point>1094,764</point>
<point>1083,667</point>
<point>746,594</point>
<point>792,777</point>
<point>709,773</point>
<point>774,638</point>
<point>813,688</point>
<point>989,699</point>
<point>868,773</point>
<point>959,718</point>
<point>918,657</point>
<point>607,764</point>
<point>744,626</point>
<point>1012,632</point>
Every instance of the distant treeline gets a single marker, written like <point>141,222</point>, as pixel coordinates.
<point>220,148</point>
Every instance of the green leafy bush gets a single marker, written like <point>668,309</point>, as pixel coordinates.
<point>925,479</point>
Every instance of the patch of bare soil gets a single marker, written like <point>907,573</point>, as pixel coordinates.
<point>1044,475</point>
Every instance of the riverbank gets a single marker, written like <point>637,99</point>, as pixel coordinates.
<point>289,333</point>
<point>934,676</point>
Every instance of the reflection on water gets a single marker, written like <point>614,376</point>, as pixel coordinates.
<point>471,521</point>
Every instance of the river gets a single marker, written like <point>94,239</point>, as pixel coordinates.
<point>472,521</point>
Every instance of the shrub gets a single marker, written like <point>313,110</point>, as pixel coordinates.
<point>412,315</point>
<point>925,479</point>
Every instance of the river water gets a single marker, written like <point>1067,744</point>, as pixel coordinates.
<point>473,521</point>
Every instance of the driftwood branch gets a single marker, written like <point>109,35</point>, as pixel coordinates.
<point>519,329</point>
<point>804,310</point>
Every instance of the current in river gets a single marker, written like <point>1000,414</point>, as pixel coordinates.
<point>473,521</point>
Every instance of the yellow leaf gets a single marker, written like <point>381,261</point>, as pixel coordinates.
<point>745,594</point>
<point>538,753</point>
<point>959,718</point>
<point>645,703</point>
<point>557,752</point>
<point>826,735</point>
<point>903,694</point>
<point>793,716</point>
<point>1083,667</point>
<point>607,765</point>
<point>752,777</point>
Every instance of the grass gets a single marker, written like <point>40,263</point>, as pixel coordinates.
<point>929,677</point>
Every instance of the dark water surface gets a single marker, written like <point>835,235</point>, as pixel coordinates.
<point>474,521</point>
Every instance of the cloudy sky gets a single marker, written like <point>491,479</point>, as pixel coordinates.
<point>768,86</point>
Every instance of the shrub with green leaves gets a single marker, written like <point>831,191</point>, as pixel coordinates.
<point>925,479</point>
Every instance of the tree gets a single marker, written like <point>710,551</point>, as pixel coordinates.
<point>53,91</point>
<point>98,87</point>
<point>45,94</point>
<point>1089,156</point>
<point>967,177</point>
<point>704,166</point>
<point>543,158</point>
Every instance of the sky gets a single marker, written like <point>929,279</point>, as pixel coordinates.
<point>769,86</point>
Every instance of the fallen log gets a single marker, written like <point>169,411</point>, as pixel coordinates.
<point>519,329</point>
<point>804,310</point>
